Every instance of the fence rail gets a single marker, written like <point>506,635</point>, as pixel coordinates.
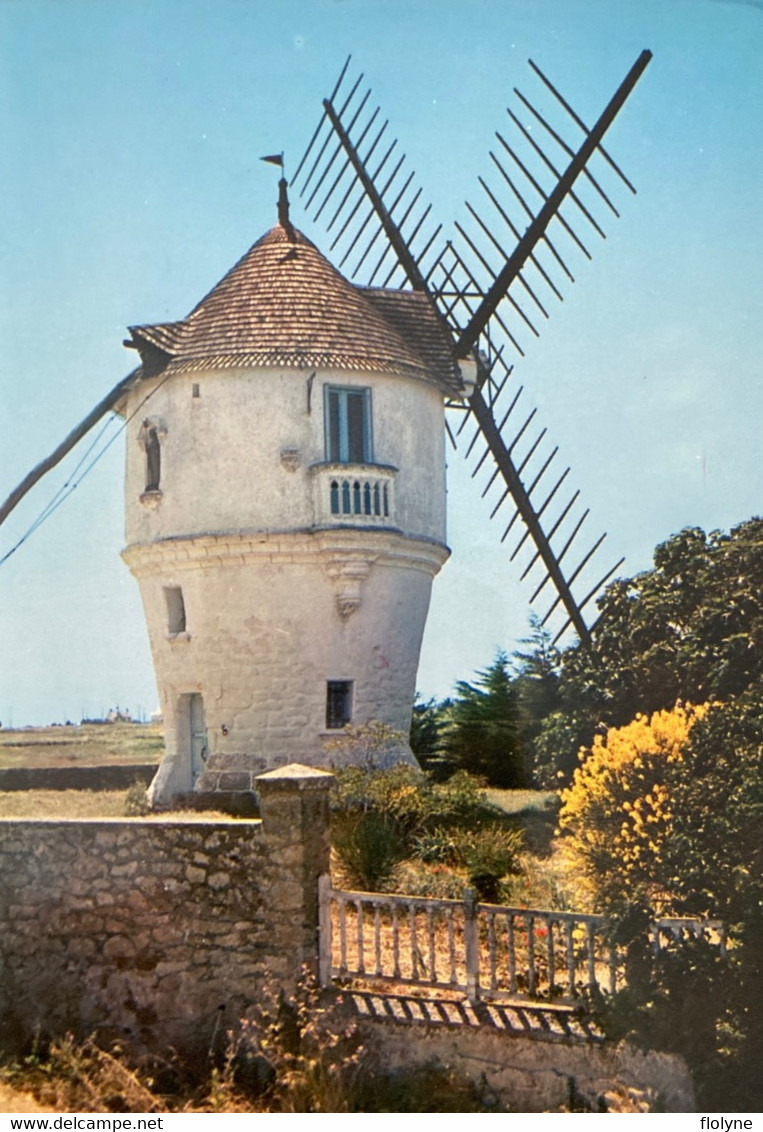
<point>484,950</point>
<point>462,945</point>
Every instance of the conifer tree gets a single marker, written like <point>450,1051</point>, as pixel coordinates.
<point>483,735</point>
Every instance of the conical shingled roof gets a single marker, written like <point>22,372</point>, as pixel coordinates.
<point>284,304</point>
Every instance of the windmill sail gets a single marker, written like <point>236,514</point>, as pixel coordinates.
<point>492,282</point>
<point>105,405</point>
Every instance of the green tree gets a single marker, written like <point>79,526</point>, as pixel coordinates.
<point>715,854</point>
<point>714,865</point>
<point>536,681</point>
<point>483,735</point>
<point>690,629</point>
<point>555,749</point>
<point>544,727</point>
<point>428,722</point>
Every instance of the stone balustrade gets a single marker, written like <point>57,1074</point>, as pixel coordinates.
<point>360,494</point>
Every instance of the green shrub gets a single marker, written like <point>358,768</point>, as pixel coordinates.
<point>369,845</point>
<point>489,856</point>
<point>411,799</point>
<point>136,800</point>
<point>674,999</point>
<point>396,792</point>
<point>370,746</point>
<point>486,856</point>
<point>383,818</point>
<point>461,801</point>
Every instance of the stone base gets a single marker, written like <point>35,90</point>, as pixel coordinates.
<point>232,773</point>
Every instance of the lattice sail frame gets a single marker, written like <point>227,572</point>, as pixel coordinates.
<point>491,282</point>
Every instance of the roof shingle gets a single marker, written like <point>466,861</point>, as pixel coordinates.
<point>284,304</point>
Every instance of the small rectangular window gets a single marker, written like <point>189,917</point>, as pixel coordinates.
<point>173,596</point>
<point>348,425</point>
<point>338,704</point>
<point>195,391</point>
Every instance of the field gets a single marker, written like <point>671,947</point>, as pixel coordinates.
<point>543,874</point>
<point>91,744</point>
<point>88,804</point>
<point>87,744</point>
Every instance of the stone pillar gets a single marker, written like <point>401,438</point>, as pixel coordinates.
<point>294,804</point>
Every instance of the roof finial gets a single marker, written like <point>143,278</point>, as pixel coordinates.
<point>283,210</point>
<point>283,198</point>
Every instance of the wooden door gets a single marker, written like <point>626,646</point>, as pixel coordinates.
<point>198,732</point>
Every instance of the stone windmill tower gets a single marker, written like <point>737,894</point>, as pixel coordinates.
<point>286,473</point>
<point>285,510</point>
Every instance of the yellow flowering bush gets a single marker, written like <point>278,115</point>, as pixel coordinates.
<point>616,814</point>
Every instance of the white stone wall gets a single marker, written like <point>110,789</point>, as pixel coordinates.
<point>227,455</point>
<point>266,631</point>
<point>280,597</point>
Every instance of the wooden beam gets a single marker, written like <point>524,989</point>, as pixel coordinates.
<point>66,445</point>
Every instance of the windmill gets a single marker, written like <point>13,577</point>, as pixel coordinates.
<point>352,177</point>
<point>285,474</point>
<point>491,283</point>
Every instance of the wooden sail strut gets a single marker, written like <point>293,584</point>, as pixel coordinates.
<point>66,445</point>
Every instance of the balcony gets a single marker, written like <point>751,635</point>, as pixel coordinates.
<point>360,494</point>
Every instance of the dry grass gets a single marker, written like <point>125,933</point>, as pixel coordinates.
<point>80,1078</point>
<point>547,881</point>
<point>90,744</point>
<point>57,805</point>
<point>302,1056</point>
<point>522,802</point>
<point>62,803</point>
<point>14,1100</point>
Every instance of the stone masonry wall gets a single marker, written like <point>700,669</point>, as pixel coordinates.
<point>528,1074</point>
<point>159,931</point>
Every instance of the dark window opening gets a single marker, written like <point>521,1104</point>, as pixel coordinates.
<point>195,391</point>
<point>173,596</point>
<point>348,426</point>
<point>338,704</point>
<point>359,497</point>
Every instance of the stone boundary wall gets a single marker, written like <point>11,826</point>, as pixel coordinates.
<point>115,777</point>
<point>534,1074</point>
<point>156,931</point>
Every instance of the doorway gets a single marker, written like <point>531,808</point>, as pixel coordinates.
<point>198,735</point>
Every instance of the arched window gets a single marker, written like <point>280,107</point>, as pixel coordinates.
<point>334,497</point>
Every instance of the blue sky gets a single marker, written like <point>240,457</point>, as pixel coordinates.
<point>131,134</point>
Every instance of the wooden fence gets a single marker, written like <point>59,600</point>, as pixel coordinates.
<point>484,950</point>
